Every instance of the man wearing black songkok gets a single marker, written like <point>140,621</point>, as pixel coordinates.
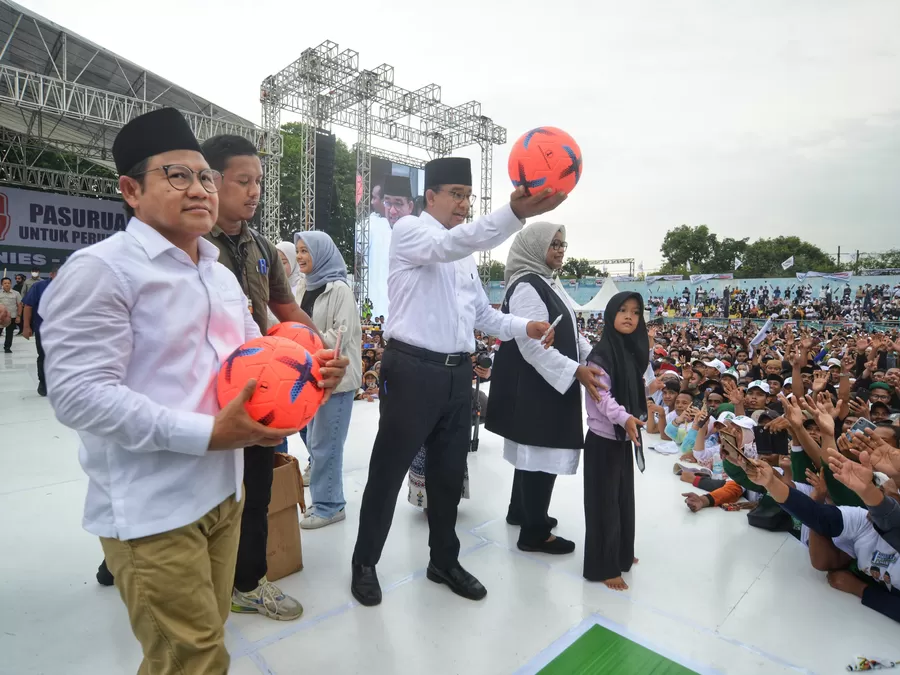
<point>398,201</point>
<point>164,462</point>
<point>425,393</point>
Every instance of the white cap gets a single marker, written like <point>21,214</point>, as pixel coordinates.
<point>834,362</point>
<point>715,363</point>
<point>743,421</point>
<point>725,417</point>
<point>788,380</point>
<point>759,384</point>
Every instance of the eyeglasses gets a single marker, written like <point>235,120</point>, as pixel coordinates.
<point>182,177</point>
<point>457,196</point>
<point>397,204</point>
<point>558,245</point>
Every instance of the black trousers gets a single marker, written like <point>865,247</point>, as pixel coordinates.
<point>533,490</point>
<point>40,358</point>
<point>421,403</point>
<point>10,331</point>
<point>259,463</point>
<point>608,508</point>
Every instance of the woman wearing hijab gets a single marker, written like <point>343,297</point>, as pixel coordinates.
<point>614,422</point>
<point>287,253</point>
<point>535,398</point>
<point>329,300</point>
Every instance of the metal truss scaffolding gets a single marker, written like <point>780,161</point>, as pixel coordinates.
<point>616,261</point>
<point>326,87</point>
<point>63,94</point>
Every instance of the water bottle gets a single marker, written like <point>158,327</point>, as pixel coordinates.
<point>718,469</point>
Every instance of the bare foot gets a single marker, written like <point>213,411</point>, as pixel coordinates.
<point>687,477</point>
<point>552,538</point>
<point>636,561</point>
<point>617,584</point>
<point>847,582</point>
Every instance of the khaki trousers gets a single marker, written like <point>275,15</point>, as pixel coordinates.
<point>177,588</point>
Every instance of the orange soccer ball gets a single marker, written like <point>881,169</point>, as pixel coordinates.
<point>287,394</point>
<point>543,158</point>
<point>300,333</point>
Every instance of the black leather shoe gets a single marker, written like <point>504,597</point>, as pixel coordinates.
<point>104,576</point>
<point>365,586</point>
<point>460,582</point>
<point>558,546</point>
<point>42,389</point>
<point>514,520</point>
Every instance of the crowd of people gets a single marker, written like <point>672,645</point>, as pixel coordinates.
<point>802,429</point>
<point>840,302</point>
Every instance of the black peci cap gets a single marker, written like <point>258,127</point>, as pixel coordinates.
<point>397,186</point>
<point>448,171</point>
<point>151,134</point>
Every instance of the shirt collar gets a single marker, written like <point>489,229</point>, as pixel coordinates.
<point>154,244</point>
<point>429,219</point>
<point>243,235</point>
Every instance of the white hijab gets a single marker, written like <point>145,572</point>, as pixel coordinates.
<point>290,253</point>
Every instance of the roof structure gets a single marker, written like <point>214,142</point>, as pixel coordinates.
<point>599,301</point>
<point>61,92</point>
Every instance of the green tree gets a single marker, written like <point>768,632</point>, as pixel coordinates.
<point>724,253</point>
<point>497,269</point>
<point>685,244</point>
<point>763,258</point>
<point>882,260</point>
<point>578,268</point>
<point>342,216</point>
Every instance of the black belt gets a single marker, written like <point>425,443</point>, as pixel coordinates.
<point>449,360</point>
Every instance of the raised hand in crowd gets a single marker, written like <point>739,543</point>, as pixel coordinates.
<point>875,453</point>
<point>733,394</point>
<point>760,472</point>
<point>821,379</point>
<point>858,407</point>
<point>793,413</point>
<point>817,482</point>
<point>848,364</point>
<point>778,424</point>
<point>854,475</point>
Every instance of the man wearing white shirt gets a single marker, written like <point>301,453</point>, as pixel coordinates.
<point>135,329</point>
<point>425,398</point>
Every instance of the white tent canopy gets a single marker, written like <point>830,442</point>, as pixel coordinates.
<point>598,303</point>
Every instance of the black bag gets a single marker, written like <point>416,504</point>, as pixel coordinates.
<point>768,515</point>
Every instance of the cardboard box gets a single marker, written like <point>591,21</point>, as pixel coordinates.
<point>284,554</point>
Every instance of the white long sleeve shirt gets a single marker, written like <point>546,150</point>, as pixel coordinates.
<point>134,333</point>
<point>434,290</point>
<point>556,368</point>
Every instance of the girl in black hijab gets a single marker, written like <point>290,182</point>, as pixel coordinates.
<point>614,423</point>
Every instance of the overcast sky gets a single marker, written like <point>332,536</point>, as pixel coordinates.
<point>755,117</point>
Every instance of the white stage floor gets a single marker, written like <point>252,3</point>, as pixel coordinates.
<point>709,591</point>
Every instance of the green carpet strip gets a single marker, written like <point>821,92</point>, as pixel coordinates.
<point>602,651</point>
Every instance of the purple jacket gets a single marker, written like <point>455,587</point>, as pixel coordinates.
<point>605,415</point>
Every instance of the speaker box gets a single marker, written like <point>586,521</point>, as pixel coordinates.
<point>325,188</point>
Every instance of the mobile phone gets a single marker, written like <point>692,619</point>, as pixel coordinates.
<point>860,425</point>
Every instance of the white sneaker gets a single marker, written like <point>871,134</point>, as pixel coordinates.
<point>314,522</point>
<point>306,475</point>
<point>267,599</point>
